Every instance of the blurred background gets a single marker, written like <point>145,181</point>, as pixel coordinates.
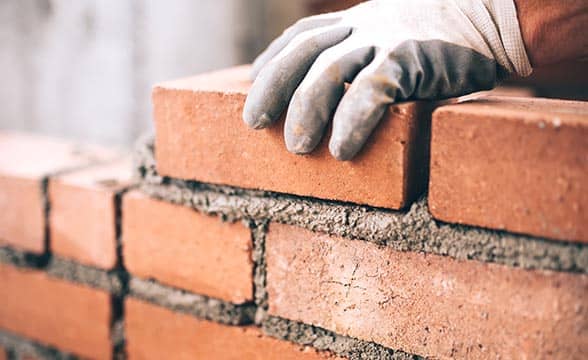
<point>84,69</point>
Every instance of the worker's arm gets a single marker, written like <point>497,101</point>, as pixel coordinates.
<point>554,30</point>
<point>391,50</point>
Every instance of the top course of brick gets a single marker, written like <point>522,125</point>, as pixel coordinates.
<point>200,135</point>
<point>35,156</point>
<point>512,164</point>
<point>26,161</point>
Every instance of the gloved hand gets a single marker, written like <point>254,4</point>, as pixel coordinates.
<point>391,50</point>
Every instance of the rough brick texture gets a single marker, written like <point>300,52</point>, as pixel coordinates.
<point>200,135</point>
<point>83,212</point>
<point>25,162</point>
<point>513,164</point>
<point>54,312</point>
<point>22,221</point>
<point>157,333</point>
<point>186,249</point>
<point>425,304</point>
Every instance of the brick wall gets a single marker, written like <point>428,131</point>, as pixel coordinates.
<point>214,242</point>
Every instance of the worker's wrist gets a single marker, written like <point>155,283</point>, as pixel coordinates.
<point>532,25</point>
<point>553,31</point>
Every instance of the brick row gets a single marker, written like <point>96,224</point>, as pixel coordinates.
<point>425,304</point>
<point>25,163</point>
<point>157,333</point>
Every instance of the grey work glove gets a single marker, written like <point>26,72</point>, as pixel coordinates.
<point>391,50</point>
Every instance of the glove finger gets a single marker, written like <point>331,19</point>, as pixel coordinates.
<point>316,98</point>
<point>302,25</point>
<point>363,105</point>
<point>273,87</point>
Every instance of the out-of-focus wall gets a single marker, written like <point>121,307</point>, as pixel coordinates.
<point>84,68</point>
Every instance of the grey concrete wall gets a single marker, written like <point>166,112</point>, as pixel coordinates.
<point>84,68</point>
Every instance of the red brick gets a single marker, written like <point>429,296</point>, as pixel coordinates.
<point>186,249</point>
<point>153,332</point>
<point>21,207</point>
<point>512,163</point>
<point>68,316</point>
<point>425,304</point>
<point>3,354</point>
<point>200,135</point>
<point>25,161</point>
<point>83,214</point>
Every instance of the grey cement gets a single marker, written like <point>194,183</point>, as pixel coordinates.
<point>9,255</point>
<point>64,269</point>
<point>322,339</point>
<point>117,336</point>
<point>19,348</point>
<point>258,231</point>
<point>85,275</point>
<point>413,229</point>
<point>192,304</point>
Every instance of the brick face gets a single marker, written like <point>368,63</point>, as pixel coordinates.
<point>157,333</point>
<point>200,135</point>
<point>186,249</point>
<point>3,354</point>
<point>70,317</point>
<point>83,214</point>
<point>513,164</point>
<point>425,304</point>
<point>25,161</point>
<point>22,221</point>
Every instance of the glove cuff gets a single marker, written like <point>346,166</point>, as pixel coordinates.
<point>497,21</point>
<point>504,13</point>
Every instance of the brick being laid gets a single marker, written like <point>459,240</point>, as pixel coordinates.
<point>200,136</point>
<point>25,164</point>
<point>515,164</point>
<point>84,210</point>
<point>424,304</point>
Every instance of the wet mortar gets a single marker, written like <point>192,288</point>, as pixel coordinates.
<point>322,339</point>
<point>193,304</point>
